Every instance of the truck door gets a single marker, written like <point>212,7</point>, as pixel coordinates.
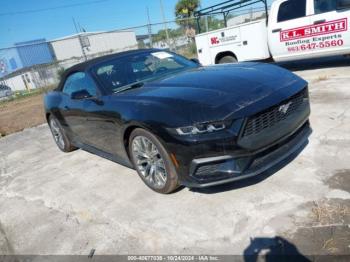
<point>287,20</point>
<point>330,27</point>
<point>203,49</point>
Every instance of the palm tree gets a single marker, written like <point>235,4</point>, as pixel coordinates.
<point>184,11</point>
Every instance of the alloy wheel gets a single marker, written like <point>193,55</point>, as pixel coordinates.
<point>57,133</point>
<point>149,162</point>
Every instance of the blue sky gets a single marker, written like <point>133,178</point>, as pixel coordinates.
<point>22,20</point>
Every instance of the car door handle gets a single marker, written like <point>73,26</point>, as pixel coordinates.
<point>277,30</point>
<point>66,108</point>
<point>319,21</point>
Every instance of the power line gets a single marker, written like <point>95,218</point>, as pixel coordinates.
<point>52,8</point>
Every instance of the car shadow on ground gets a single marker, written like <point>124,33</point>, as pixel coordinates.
<point>272,249</point>
<point>319,63</point>
<point>250,181</point>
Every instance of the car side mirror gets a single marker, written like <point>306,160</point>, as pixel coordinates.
<point>81,94</point>
<point>343,4</point>
<point>195,60</point>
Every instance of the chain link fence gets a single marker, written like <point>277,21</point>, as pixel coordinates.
<point>39,64</point>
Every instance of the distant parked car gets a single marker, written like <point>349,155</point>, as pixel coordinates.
<point>5,91</point>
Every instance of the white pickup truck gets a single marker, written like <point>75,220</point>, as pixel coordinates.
<point>296,29</point>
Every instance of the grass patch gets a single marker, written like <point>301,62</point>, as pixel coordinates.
<point>325,213</point>
<point>23,110</point>
<point>18,95</point>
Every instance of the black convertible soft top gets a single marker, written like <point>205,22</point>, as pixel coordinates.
<point>81,67</point>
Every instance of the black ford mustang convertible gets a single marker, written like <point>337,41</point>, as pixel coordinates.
<point>178,123</point>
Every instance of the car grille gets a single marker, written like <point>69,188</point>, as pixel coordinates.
<point>207,170</point>
<point>274,115</point>
<point>210,172</point>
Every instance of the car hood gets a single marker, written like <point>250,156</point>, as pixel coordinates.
<point>221,91</point>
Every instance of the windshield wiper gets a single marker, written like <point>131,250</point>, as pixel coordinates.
<point>132,86</point>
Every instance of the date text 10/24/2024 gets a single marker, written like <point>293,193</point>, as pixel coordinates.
<point>173,258</point>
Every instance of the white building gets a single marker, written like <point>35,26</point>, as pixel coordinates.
<point>69,51</point>
<point>29,78</point>
<point>93,44</point>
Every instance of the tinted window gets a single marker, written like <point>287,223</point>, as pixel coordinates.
<point>291,9</point>
<point>113,74</point>
<point>77,82</point>
<point>139,67</point>
<point>324,6</point>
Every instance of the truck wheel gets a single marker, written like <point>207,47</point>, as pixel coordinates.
<point>227,60</point>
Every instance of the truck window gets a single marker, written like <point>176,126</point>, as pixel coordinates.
<point>324,6</point>
<point>291,9</point>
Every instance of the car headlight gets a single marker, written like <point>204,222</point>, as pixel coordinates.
<point>201,128</point>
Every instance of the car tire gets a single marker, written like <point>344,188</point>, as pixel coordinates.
<point>164,169</point>
<point>227,60</point>
<point>60,136</point>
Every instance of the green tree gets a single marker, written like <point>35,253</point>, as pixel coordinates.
<point>160,36</point>
<point>184,9</point>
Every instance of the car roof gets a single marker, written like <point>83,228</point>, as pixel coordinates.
<point>84,65</point>
<point>81,67</point>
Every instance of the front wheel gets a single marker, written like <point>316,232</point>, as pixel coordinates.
<point>152,162</point>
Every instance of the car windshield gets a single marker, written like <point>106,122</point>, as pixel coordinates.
<point>123,71</point>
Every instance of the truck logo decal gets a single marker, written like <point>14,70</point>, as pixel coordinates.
<point>330,27</point>
<point>214,41</point>
<point>217,40</point>
<point>284,108</point>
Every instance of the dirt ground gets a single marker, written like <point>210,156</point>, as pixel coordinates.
<point>20,114</point>
<point>56,203</point>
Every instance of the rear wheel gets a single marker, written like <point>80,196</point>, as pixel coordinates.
<point>227,60</point>
<point>152,162</point>
<point>59,135</point>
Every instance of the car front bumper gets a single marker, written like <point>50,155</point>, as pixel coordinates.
<point>211,171</point>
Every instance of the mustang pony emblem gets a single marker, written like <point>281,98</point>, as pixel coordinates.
<point>284,108</point>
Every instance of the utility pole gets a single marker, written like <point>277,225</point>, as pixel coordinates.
<point>205,19</point>
<point>164,22</point>
<point>206,23</point>
<point>75,25</point>
<point>80,40</point>
<point>149,29</point>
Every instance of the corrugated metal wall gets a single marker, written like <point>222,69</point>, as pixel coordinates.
<point>34,52</point>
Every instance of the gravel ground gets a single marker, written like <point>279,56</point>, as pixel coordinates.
<point>56,203</point>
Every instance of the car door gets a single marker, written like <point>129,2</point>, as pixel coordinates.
<point>286,24</point>
<point>330,27</point>
<point>72,110</point>
<point>84,112</point>
<point>100,130</point>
